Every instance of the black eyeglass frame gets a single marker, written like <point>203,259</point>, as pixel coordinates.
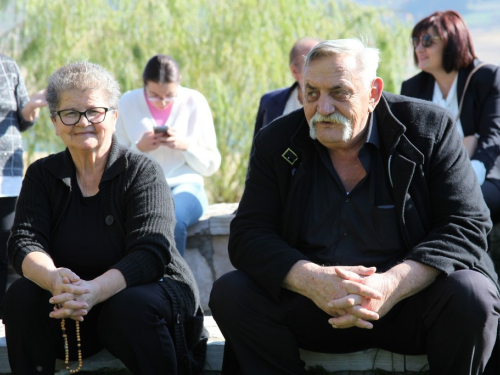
<point>106,110</point>
<point>427,40</point>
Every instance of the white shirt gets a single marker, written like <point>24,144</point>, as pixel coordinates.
<point>293,101</point>
<point>191,116</point>
<point>451,104</point>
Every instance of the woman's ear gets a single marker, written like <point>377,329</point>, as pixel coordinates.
<point>55,126</point>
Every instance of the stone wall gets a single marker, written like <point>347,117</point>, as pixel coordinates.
<point>206,249</point>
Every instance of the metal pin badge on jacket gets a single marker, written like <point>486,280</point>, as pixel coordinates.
<point>290,156</point>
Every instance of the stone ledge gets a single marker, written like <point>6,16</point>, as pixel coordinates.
<point>206,247</point>
<point>215,221</point>
<point>359,361</point>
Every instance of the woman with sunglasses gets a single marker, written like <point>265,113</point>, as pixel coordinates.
<point>443,50</point>
<point>172,125</point>
<point>93,239</point>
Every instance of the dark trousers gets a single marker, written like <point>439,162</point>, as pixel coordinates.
<point>134,325</point>
<point>7,209</point>
<point>454,322</point>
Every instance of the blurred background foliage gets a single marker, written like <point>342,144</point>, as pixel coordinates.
<point>231,51</point>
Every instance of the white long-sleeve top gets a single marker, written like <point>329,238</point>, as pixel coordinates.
<point>191,117</point>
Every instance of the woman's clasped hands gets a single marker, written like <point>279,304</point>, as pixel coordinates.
<point>71,296</point>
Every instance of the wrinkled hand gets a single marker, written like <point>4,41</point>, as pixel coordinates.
<point>149,142</point>
<point>39,99</point>
<point>356,304</point>
<point>173,140</point>
<point>327,285</point>
<point>67,291</point>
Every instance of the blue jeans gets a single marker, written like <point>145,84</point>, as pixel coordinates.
<point>190,203</point>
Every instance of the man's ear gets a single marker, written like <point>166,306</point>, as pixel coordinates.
<point>295,72</point>
<point>376,88</point>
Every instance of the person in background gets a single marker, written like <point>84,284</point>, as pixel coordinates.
<point>93,239</point>
<point>285,100</point>
<point>184,142</point>
<point>17,113</point>
<point>361,226</point>
<point>444,51</point>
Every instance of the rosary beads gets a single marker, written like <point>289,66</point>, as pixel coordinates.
<point>66,347</point>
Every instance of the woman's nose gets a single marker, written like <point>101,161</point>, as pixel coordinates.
<point>83,121</point>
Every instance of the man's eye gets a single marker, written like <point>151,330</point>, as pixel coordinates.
<point>311,95</point>
<point>341,95</point>
<point>70,114</point>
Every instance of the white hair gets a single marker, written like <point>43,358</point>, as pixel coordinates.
<point>367,58</point>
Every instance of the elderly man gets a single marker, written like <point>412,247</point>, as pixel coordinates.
<point>361,225</point>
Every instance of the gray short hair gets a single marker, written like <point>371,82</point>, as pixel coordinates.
<point>367,58</point>
<point>82,76</point>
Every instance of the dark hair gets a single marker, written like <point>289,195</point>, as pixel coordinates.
<point>161,69</point>
<point>458,52</point>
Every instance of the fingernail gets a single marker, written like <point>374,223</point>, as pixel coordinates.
<point>334,326</point>
<point>51,315</point>
<point>330,304</point>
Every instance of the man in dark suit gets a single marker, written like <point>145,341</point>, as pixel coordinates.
<point>285,100</point>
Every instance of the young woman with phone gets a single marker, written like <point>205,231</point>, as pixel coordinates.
<point>173,125</point>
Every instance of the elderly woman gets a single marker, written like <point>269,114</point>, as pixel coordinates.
<point>93,240</point>
<point>443,50</point>
<point>173,125</point>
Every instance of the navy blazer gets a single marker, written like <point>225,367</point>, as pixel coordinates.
<point>272,104</point>
<point>480,111</point>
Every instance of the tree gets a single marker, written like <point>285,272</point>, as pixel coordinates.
<point>231,51</point>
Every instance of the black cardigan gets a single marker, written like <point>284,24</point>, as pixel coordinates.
<point>480,111</point>
<point>138,214</point>
<point>441,211</point>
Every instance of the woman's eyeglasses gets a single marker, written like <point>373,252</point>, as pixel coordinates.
<point>427,40</point>
<point>166,99</point>
<point>71,117</point>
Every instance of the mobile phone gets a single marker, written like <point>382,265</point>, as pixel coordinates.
<point>160,129</point>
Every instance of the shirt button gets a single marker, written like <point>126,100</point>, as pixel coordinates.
<point>347,200</point>
<point>109,220</point>
<point>345,233</point>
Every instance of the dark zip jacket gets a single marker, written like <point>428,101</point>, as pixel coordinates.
<point>442,215</point>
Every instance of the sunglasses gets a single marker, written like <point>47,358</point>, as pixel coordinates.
<point>427,40</point>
